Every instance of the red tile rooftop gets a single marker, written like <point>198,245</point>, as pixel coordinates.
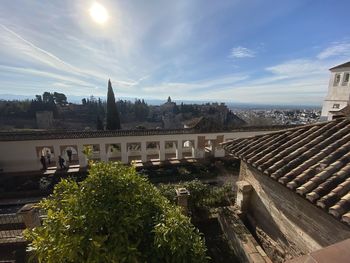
<point>344,65</point>
<point>312,160</point>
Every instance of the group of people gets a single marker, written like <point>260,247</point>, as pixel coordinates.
<point>45,160</point>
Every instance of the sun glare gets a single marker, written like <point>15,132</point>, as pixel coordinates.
<point>98,13</point>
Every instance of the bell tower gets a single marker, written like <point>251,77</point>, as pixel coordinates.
<point>338,96</point>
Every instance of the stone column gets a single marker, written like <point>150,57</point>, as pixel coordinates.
<point>81,156</point>
<point>218,150</point>
<point>162,151</point>
<point>198,149</point>
<point>143,152</point>
<point>57,152</point>
<point>244,190</point>
<point>182,195</point>
<point>179,150</point>
<point>30,215</point>
<point>194,149</point>
<point>103,152</point>
<point>124,152</point>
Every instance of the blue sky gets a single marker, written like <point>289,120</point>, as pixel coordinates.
<point>253,51</point>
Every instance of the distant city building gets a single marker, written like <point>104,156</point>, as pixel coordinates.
<point>338,96</point>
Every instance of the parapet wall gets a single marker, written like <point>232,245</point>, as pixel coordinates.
<point>240,239</point>
<point>22,151</point>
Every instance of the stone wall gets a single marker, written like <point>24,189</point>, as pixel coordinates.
<point>240,239</point>
<point>286,223</point>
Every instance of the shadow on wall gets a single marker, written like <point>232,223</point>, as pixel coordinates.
<point>265,229</point>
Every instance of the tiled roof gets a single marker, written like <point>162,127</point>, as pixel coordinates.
<point>54,135</point>
<point>344,65</point>
<point>311,160</point>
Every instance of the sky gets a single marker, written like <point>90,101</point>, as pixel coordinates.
<point>244,51</point>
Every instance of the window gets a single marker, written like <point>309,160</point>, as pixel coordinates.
<point>336,106</point>
<point>346,79</point>
<point>337,79</point>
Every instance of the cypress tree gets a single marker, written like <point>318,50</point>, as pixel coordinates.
<point>113,121</point>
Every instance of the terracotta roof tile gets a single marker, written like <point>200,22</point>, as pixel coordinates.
<point>321,151</point>
<point>54,134</point>
<point>311,160</point>
<point>346,218</point>
<point>341,207</point>
<point>344,65</point>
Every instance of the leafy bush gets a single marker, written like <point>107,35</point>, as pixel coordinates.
<point>183,171</point>
<point>202,196</point>
<point>44,183</point>
<point>114,215</point>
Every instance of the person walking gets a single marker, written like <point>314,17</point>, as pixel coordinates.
<point>61,162</point>
<point>43,162</point>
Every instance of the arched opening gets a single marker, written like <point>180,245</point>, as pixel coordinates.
<point>134,151</point>
<point>170,149</point>
<point>152,151</point>
<point>208,147</point>
<point>188,149</point>
<point>113,152</point>
<point>70,154</point>
<point>95,151</point>
<point>49,156</point>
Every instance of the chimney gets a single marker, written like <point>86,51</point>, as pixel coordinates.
<point>182,195</point>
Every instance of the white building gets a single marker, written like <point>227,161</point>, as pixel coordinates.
<point>338,96</point>
<point>21,151</point>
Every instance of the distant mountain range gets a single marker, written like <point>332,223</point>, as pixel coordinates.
<point>231,105</point>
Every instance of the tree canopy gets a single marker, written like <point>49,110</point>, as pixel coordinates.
<point>58,98</point>
<point>114,215</point>
<point>112,115</point>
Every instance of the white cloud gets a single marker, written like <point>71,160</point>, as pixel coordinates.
<point>44,74</point>
<point>140,41</point>
<point>21,46</point>
<point>21,49</point>
<point>298,67</point>
<point>196,88</point>
<point>336,49</point>
<point>299,81</point>
<point>242,52</point>
<point>305,90</point>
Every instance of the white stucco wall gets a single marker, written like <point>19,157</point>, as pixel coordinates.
<point>337,94</point>
<point>18,156</point>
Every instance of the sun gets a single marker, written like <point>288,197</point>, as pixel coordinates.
<point>98,13</point>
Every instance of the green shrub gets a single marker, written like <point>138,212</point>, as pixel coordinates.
<point>202,196</point>
<point>113,216</point>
